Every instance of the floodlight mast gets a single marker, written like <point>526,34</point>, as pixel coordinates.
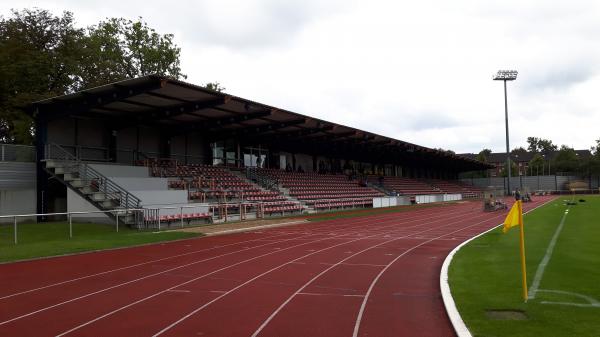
<point>506,75</point>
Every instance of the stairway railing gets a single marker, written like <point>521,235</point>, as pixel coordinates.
<point>267,182</point>
<point>92,178</point>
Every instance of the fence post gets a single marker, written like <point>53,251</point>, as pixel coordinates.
<point>181,215</point>
<point>117,221</point>
<point>15,230</point>
<point>158,217</point>
<point>70,226</point>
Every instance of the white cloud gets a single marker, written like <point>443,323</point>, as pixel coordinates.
<point>419,71</point>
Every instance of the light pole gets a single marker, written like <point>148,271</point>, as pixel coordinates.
<point>506,75</point>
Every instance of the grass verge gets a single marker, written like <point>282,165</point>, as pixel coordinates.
<point>52,238</point>
<point>485,275</point>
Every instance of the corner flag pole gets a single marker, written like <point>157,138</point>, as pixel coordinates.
<point>515,218</point>
<point>523,266</point>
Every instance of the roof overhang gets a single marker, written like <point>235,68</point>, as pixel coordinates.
<point>183,107</point>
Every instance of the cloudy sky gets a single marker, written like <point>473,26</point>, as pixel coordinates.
<point>419,71</point>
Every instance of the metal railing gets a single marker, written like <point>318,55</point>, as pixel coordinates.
<point>92,178</point>
<point>266,181</point>
<point>17,153</point>
<point>119,215</point>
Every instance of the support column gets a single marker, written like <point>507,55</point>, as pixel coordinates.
<point>41,139</point>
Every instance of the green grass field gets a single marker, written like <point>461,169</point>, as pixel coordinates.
<point>485,275</point>
<point>52,238</point>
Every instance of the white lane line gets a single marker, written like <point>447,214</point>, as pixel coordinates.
<point>326,228</point>
<point>230,266</point>
<point>457,322</point>
<point>362,308</point>
<point>328,294</point>
<point>301,289</point>
<point>252,229</point>
<point>123,268</point>
<point>542,266</point>
<point>125,283</point>
<point>442,216</point>
<point>179,291</point>
<point>257,277</point>
<point>369,291</point>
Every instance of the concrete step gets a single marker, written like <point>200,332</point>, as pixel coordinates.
<point>78,183</point>
<point>86,190</point>
<point>52,163</point>
<point>98,196</point>
<point>70,176</point>
<point>109,204</point>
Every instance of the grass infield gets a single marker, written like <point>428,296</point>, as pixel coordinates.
<point>52,238</point>
<point>485,276</point>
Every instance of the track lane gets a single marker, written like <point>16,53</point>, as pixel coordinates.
<point>29,276</point>
<point>228,275</point>
<point>215,316</point>
<point>346,228</point>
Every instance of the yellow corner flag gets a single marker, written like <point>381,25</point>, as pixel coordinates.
<point>515,218</point>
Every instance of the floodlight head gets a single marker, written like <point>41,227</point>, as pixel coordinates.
<point>506,75</point>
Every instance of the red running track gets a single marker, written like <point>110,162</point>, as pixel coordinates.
<point>366,276</point>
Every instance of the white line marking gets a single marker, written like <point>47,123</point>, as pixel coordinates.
<point>179,291</point>
<point>252,229</point>
<point>123,268</point>
<point>592,301</point>
<point>457,322</point>
<point>325,227</point>
<point>257,277</point>
<point>542,266</point>
<point>270,318</point>
<point>370,290</point>
<point>323,294</point>
<point>460,213</point>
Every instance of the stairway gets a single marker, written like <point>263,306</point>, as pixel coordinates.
<point>381,189</point>
<point>91,185</point>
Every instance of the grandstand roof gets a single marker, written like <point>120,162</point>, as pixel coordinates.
<point>183,107</point>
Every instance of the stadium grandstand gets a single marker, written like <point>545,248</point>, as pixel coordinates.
<point>154,142</point>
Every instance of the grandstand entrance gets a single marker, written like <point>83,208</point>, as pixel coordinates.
<point>256,157</point>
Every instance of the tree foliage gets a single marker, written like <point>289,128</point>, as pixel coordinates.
<point>39,53</point>
<point>118,49</point>
<point>536,163</point>
<point>566,160</point>
<point>514,170</point>
<point>483,155</point>
<point>539,145</point>
<point>596,149</point>
<point>216,86</point>
<point>43,55</point>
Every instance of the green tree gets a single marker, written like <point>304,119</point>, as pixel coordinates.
<point>216,86</point>
<point>518,151</point>
<point>514,170</point>
<point>39,53</point>
<point>566,160</point>
<point>118,49</point>
<point>536,164</point>
<point>596,149</point>
<point>539,145</point>
<point>43,55</point>
<point>483,155</point>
